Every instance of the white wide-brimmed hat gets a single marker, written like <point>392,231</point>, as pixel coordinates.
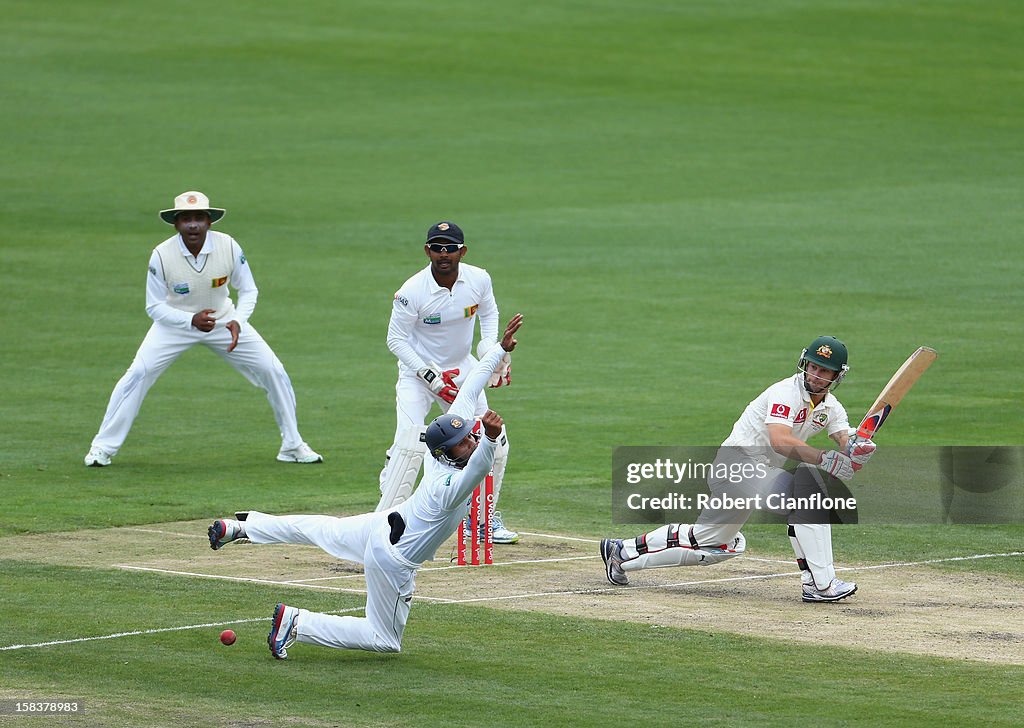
<point>189,202</point>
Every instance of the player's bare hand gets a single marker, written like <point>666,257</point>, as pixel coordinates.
<point>508,342</point>
<point>492,423</point>
<point>203,320</point>
<point>235,330</point>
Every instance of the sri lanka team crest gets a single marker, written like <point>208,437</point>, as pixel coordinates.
<point>825,351</point>
<point>456,423</point>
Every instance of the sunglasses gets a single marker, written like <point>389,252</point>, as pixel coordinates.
<point>449,248</point>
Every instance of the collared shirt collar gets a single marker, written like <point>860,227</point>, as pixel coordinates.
<point>434,285</point>
<point>206,250</point>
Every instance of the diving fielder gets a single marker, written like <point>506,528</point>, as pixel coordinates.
<point>433,318</point>
<point>773,428</point>
<point>391,544</point>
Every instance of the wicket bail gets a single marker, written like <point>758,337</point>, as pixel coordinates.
<point>480,509</point>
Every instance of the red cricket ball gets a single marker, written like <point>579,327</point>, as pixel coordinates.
<point>228,636</point>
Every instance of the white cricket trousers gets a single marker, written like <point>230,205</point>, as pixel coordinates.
<point>252,357</point>
<point>365,539</point>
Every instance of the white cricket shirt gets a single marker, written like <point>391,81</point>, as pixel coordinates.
<point>178,282</point>
<point>429,323</point>
<point>785,403</point>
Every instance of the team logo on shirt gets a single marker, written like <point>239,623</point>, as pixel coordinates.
<point>801,417</point>
<point>469,311</point>
<point>434,318</point>
<point>181,288</point>
<point>825,351</point>
<point>401,299</point>
<point>820,418</point>
<point>218,282</point>
<point>781,411</point>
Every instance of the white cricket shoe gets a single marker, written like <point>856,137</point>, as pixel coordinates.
<point>837,590</point>
<point>301,454</point>
<point>97,458</point>
<point>611,553</point>
<point>283,630</point>
<point>224,531</point>
<point>500,534</point>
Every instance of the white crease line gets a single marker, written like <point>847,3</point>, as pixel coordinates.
<point>248,579</point>
<point>563,538</point>
<point>453,566</point>
<point>157,631</point>
<point>162,533</point>
<point>728,579</point>
<point>930,561</point>
<point>253,580</point>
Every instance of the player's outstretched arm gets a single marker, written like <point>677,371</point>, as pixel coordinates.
<point>465,403</point>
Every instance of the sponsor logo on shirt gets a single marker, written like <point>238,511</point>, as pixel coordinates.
<point>181,288</point>
<point>434,318</point>
<point>780,410</point>
<point>402,299</point>
<point>152,270</point>
<point>468,312</point>
<point>801,417</point>
<point>218,282</point>
<point>241,259</point>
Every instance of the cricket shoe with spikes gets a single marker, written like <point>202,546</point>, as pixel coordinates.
<point>611,554</point>
<point>224,531</point>
<point>283,630</point>
<point>835,591</point>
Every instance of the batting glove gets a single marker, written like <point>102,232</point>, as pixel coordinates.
<point>860,451</point>
<point>836,464</point>
<point>502,376</point>
<point>440,383</point>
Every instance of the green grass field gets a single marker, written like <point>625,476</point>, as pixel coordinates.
<point>678,195</point>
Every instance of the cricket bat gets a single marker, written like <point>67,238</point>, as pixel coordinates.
<point>895,390</point>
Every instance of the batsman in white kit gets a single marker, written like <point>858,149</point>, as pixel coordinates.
<point>391,544</point>
<point>187,296</point>
<point>773,428</point>
<point>433,318</point>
